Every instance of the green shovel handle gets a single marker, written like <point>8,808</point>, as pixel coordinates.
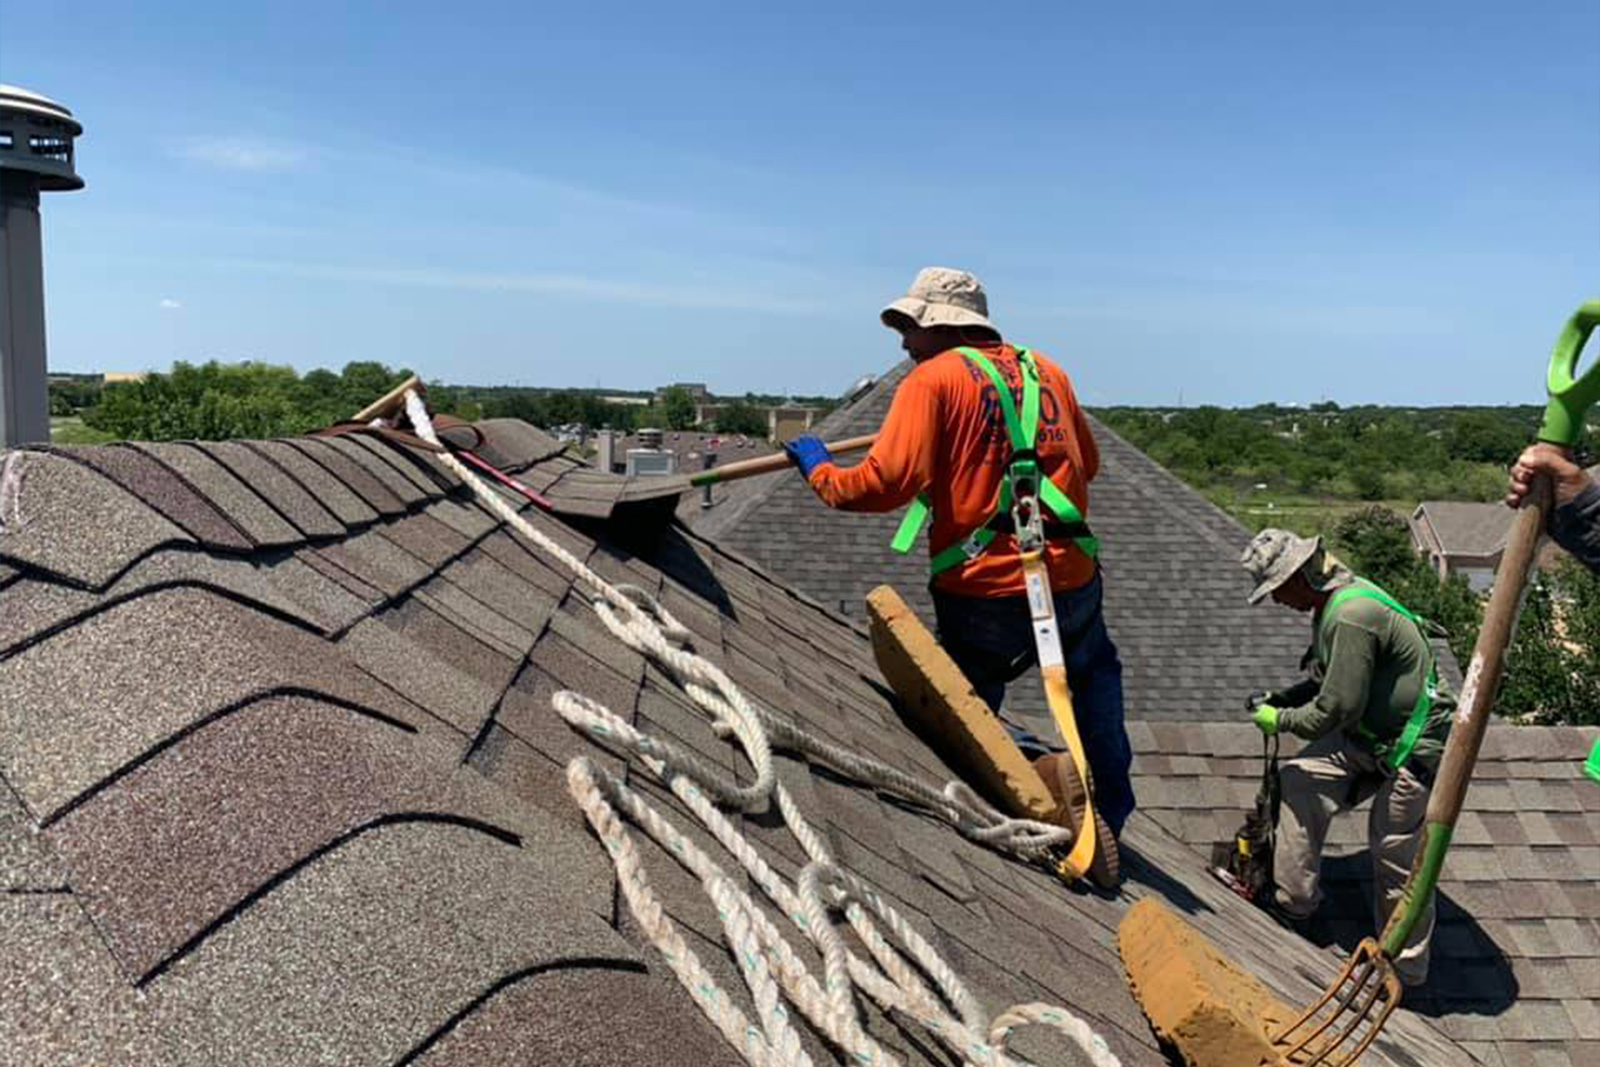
<point>1571,397</point>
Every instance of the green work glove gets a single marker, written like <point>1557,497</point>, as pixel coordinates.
<point>1266,719</point>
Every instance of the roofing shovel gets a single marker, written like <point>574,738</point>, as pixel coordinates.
<point>1339,1027</point>
<point>749,468</point>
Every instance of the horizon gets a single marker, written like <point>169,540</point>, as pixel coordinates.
<point>1374,207</point>
<point>636,391</point>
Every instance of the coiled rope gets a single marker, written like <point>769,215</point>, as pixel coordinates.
<point>774,972</point>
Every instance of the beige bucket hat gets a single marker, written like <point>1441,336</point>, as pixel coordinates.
<point>1275,556</point>
<point>941,296</point>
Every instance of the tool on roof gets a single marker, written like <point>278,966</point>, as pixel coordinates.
<point>749,468</point>
<point>391,402</point>
<point>1243,863</point>
<point>386,416</point>
<point>1339,1027</point>
<point>1028,503</point>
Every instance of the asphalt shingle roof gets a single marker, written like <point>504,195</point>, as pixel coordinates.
<point>1463,528</point>
<point>280,782</point>
<point>1516,959</point>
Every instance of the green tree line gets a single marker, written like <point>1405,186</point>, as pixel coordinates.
<point>1360,453</point>
<point>218,401</point>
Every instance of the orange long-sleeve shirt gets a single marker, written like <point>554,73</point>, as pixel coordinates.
<point>945,435</point>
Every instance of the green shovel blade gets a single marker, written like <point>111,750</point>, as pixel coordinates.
<point>1570,395</point>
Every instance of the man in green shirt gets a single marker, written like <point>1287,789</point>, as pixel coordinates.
<point>1376,715</point>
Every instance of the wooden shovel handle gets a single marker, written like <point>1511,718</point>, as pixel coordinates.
<point>1472,717</point>
<point>1488,656</point>
<point>388,402</point>
<point>749,468</point>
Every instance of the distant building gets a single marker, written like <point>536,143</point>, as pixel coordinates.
<point>691,447</point>
<point>628,401</point>
<point>785,422</point>
<point>697,391</point>
<point>112,377</point>
<point>1461,537</point>
<point>573,433</point>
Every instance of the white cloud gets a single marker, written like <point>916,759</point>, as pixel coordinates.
<point>242,153</point>
<point>707,295</point>
<point>169,304</point>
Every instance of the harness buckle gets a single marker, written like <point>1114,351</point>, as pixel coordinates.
<point>1027,521</point>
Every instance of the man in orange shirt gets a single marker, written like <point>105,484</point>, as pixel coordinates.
<point>946,445</point>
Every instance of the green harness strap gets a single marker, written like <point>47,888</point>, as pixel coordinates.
<point>1023,431</point>
<point>1394,757</point>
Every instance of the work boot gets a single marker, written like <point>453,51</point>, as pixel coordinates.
<point>1061,778</point>
<point>1272,903</point>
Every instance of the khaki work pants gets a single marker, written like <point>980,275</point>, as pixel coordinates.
<point>1332,775</point>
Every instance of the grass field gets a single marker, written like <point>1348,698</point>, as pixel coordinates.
<point>72,431</point>
<point>1303,514</point>
<point>1309,513</point>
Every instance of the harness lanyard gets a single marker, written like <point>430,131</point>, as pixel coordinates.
<point>1395,757</point>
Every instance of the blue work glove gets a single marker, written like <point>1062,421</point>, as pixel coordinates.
<point>808,453</point>
<point>1266,719</point>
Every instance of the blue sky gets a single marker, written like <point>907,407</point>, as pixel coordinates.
<point>1236,203</point>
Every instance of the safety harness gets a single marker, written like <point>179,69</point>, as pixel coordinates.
<point>1023,468</point>
<point>1394,754</point>
<point>1020,510</point>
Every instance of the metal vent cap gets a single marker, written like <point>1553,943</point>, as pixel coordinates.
<point>36,136</point>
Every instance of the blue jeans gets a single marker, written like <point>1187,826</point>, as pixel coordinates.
<point>991,640</point>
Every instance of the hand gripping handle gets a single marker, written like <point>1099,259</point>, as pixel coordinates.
<point>1570,396</point>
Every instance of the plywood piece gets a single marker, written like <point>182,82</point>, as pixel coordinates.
<point>948,713</point>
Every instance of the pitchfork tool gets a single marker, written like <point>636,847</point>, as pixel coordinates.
<point>1337,1029</point>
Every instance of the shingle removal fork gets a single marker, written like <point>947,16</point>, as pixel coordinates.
<point>1337,1029</point>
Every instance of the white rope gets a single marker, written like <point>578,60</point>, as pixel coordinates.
<point>898,978</point>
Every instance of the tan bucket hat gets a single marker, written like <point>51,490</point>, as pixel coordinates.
<point>1275,556</point>
<point>942,296</point>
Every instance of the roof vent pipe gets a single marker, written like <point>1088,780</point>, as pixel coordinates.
<point>36,155</point>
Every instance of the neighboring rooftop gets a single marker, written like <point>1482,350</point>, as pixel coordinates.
<point>1460,528</point>
<point>690,448</point>
<point>280,781</point>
